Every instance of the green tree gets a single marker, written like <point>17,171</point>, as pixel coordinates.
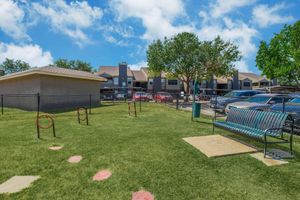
<point>73,64</point>
<point>155,58</point>
<point>186,58</point>
<point>281,57</point>
<point>218,58</point>
<point>11,66</point>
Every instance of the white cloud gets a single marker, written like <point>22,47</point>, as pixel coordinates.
<point>11,20</point>
<point>242,66</point>
<point>70,19</point>
<point>265,15</point>
<point>221,7</point>
<point>216,21</point>
<point>32,54</point>
<point>157,16</point>
<point>138,65</point>
<point>237,32</point>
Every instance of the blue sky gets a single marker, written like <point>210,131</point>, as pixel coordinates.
<point>106,32</point>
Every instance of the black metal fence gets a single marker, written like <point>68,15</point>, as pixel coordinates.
<point>48,103</point>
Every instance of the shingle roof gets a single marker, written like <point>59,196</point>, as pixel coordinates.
<point>112,71</point>
<point>242,76</point>
<point>162,74</point>
<point>55,71</point>
<point>139,76</point>
<point>252,76</point>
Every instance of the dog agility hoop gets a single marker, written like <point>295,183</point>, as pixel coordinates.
<point>129,108</point>
<point>50,123</point>
<point>82,115</point>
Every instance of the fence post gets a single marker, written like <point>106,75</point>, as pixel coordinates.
<point>134,108</point>
<point>283,104</point>
<point>38,104</point>
<point>100,97</point>
<point>2,104</point>
<point>38,114</point>
<point>140,102</point>
<point>90,98</point>
<point>113,98</point>
<point>177,101</point>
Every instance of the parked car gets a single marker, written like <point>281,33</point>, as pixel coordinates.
<point>258,102</point>
<point>140,96</point>
<point>149,96</point>
<point>221,102</point>
<point>197,97</point>
<point>291,107</point>
<point>109,96</point>
<point>120,96</point>
<point>163,97</point>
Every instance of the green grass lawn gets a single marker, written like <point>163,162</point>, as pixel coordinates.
<point>146,152</point>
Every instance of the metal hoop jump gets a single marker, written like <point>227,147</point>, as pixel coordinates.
<point>50,124</point>
<point>129,108</point>
<point>82,111</point>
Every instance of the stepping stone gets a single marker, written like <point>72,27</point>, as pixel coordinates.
<point>74,159</point>
<point>102,175</point>
<point>142,195</point>
<point>269,161</point>
<point>17,183</point>
<point>55,148</point>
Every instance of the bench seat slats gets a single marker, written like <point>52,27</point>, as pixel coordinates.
<point>253,122</point>
<point>256,124</point>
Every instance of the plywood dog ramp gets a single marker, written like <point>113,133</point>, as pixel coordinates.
<point>217,145</point>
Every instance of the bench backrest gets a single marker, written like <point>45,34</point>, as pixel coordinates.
<point>261,120</point>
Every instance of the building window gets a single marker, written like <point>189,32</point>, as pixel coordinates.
<point>129,81</point>
<point>150,81</point>
<point>163,80</point>
<point>172,82</point>
<point>116,81</point>
<point>255,84</point>
<point>246,84</point>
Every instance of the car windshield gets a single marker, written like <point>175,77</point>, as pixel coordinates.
<point>295,100</point>
<point>258,99</point>
<point>234,94</point>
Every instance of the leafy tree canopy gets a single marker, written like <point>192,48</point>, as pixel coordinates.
<point>186,58</point>
<point>281,57</point>
<point>11,66</point>
<point>73,64</point>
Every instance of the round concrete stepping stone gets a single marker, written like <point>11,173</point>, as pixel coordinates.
<point>55,148</point>
<point>75,159</point>
<point>142,195</point>
<point>102,175</point>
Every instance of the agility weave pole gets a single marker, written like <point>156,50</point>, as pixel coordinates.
<point>129,108</point>
<point>80,112</point>
<point>50,124</point>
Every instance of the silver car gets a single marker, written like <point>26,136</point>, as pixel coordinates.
<point>258,102</point>
<point>221,102</point>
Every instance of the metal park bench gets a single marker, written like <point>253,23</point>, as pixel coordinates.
<point>256,124</point>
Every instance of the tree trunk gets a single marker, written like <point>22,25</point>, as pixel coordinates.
<point>187,90</point>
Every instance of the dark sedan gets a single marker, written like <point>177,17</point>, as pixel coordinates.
<point>292,107</point>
